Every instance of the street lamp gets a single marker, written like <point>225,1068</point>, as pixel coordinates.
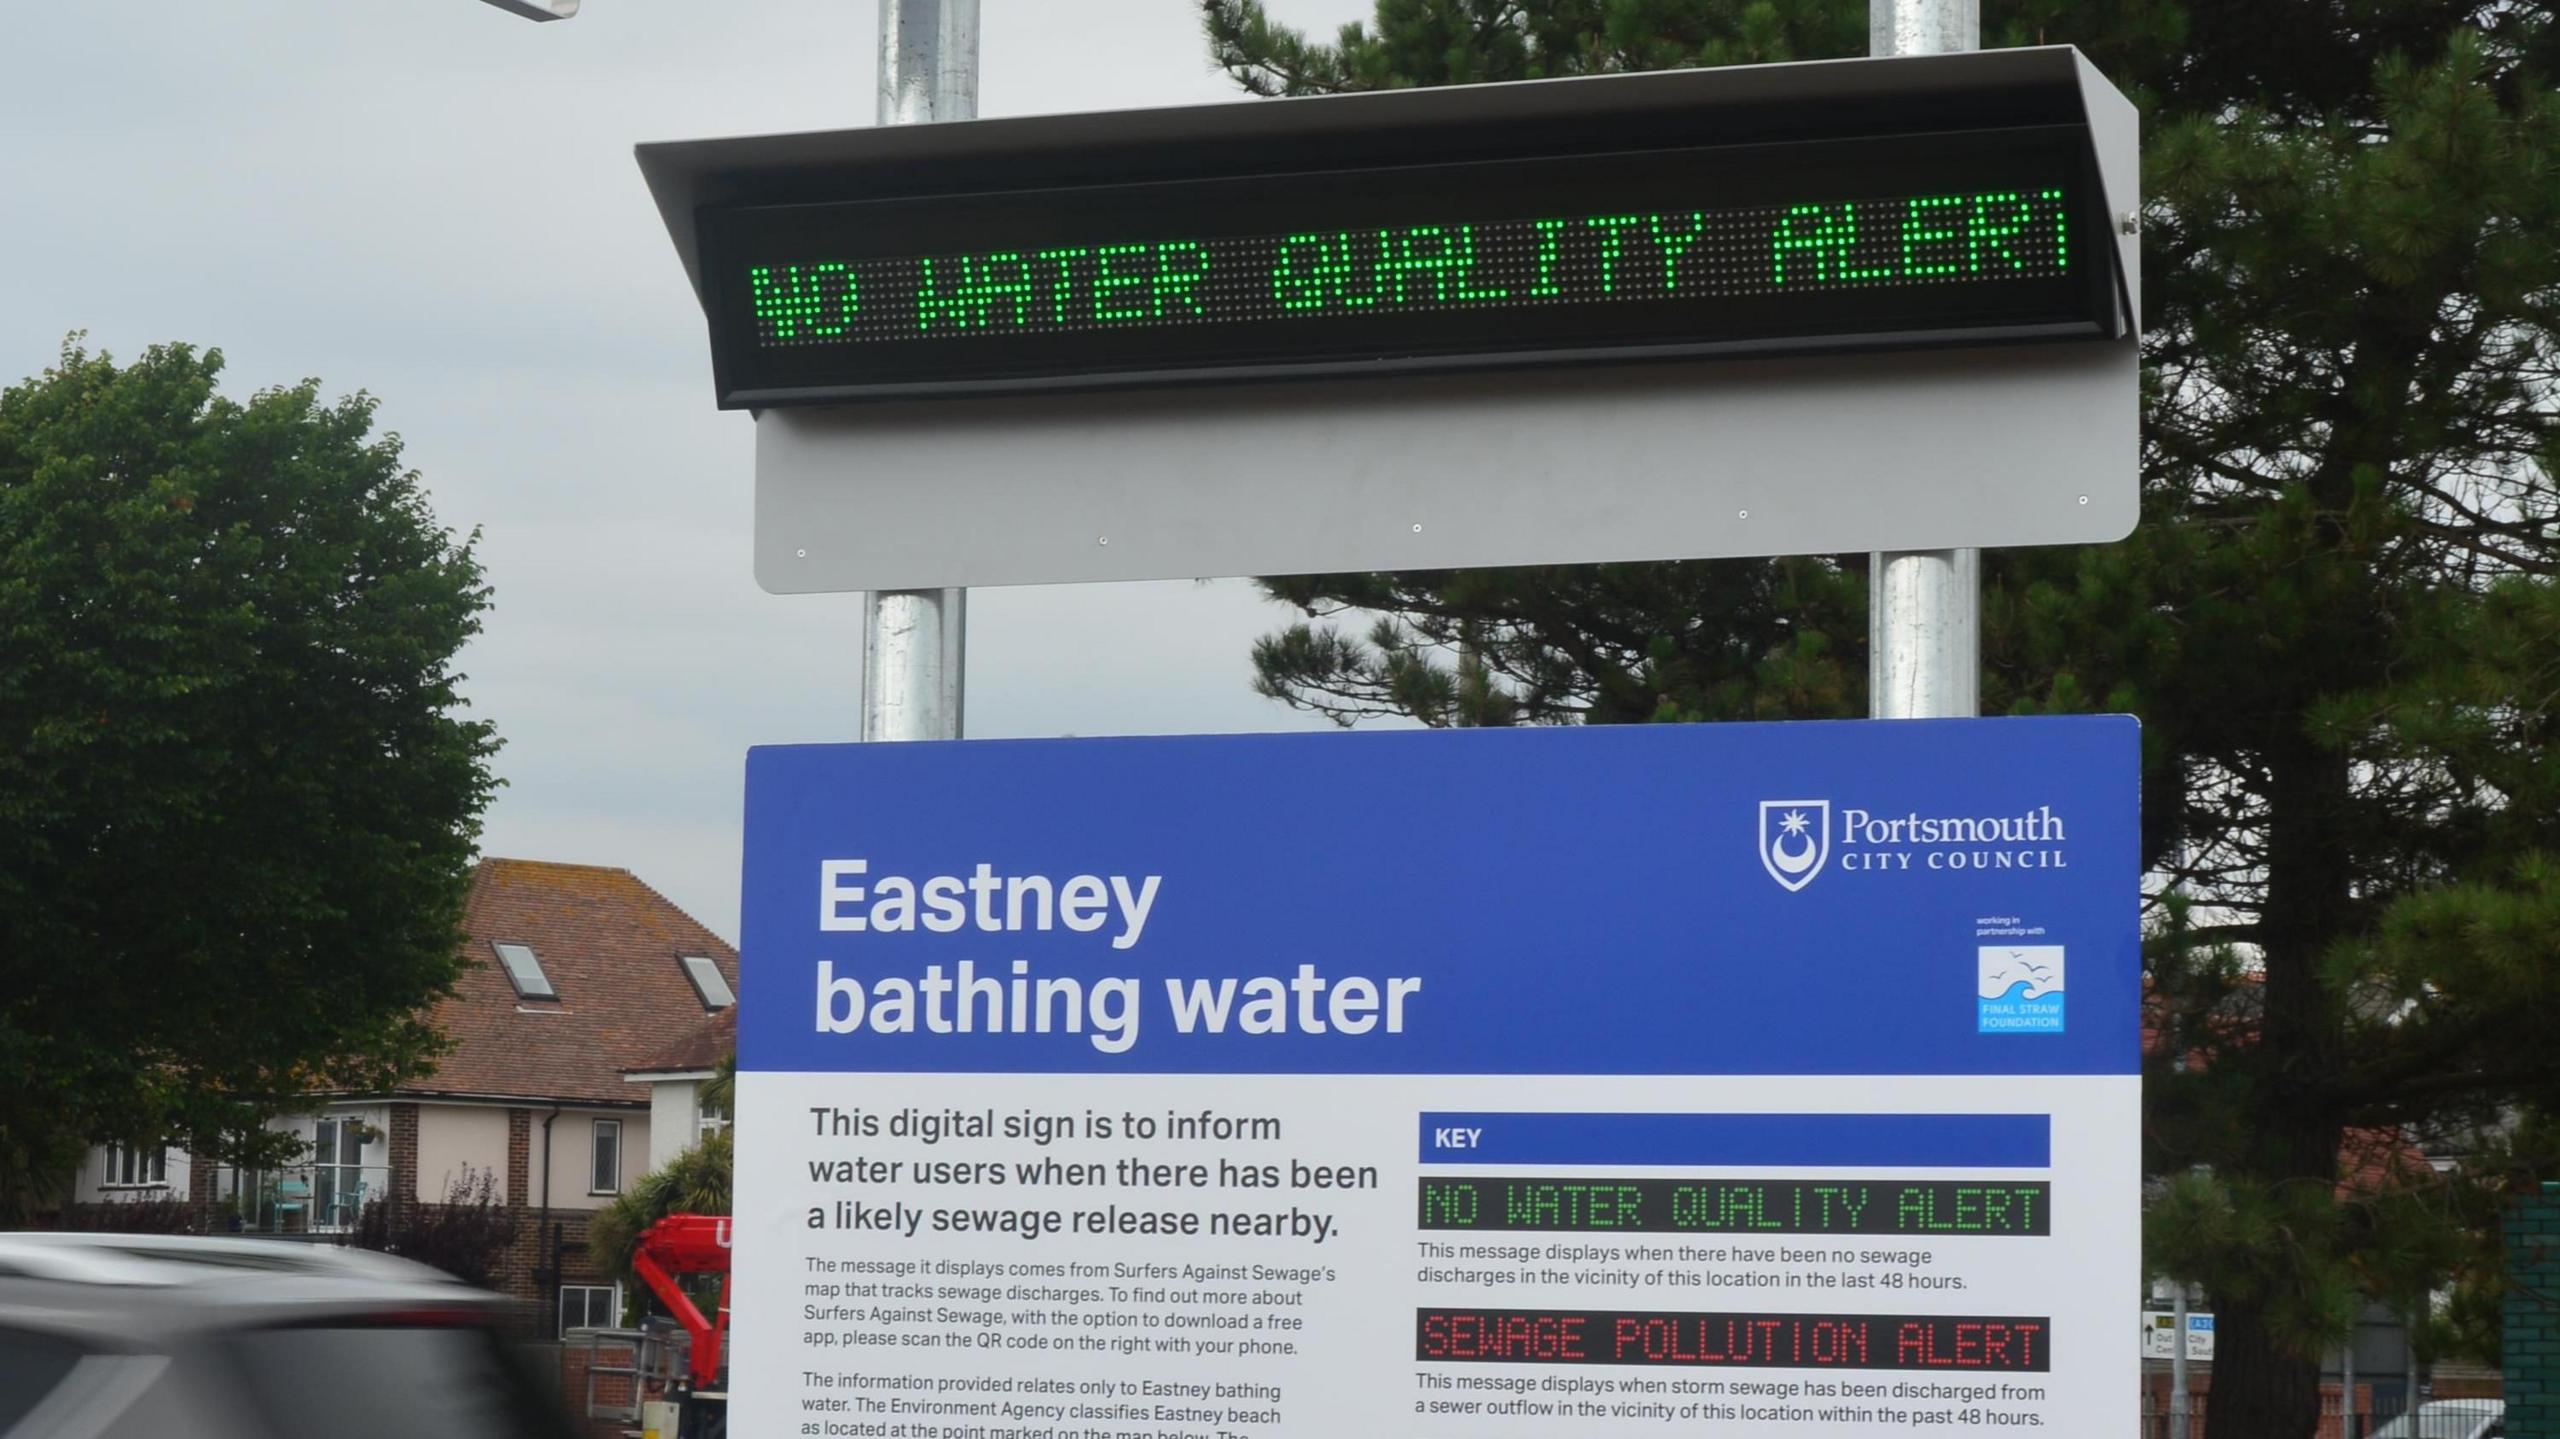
<point>538,9</point>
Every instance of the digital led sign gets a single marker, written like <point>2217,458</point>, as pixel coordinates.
<point>1519,259</point>
<point>1769,1206</point>
<point>1733,1340</point>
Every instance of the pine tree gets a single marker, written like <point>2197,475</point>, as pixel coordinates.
<point>2337,620</point>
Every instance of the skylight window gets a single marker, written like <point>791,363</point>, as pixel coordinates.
<point>524,971</point>
<point>708,982</point>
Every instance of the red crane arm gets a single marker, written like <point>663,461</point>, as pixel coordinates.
<point>689,1244</point>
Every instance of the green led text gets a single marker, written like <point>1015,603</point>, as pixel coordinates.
<point>1690,257</point>
<point>797,297</point>
<point>1924,237</point>
<point>1103,284</point>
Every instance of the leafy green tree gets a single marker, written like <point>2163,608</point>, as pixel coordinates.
<point>2336,621</point>
<point>237,800</point>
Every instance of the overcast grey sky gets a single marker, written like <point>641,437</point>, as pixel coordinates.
<point>435,201</point>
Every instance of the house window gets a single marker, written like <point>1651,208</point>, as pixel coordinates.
<point>607,1178</point>
<point>339,1184</point>
<point>524,971</point>
<point>137,1166</point>
<point>590,1306</point>
<point>708,982</point>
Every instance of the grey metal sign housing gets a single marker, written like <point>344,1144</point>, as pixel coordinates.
<point>1424,465</point>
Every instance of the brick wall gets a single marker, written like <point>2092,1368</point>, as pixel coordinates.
<point>404,1155</point>
<point>519,1157</point>
<point>2533,1316</point>
<point>611,1390</point>
<point>2375,1404</point>
<point>522,1272</point>
<point>204,1180</point>
<point>515,1276</point>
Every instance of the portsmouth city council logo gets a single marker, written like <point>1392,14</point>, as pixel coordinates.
<point>1795,839</point>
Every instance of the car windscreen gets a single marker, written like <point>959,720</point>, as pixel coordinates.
<point>30,1365</point>
<point>391,1382</point>
<point>2443,1419</point>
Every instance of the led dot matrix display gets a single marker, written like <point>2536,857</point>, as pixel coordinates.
<point>1644,1205</point>
<point>1989,235</point>
<point>1697,250</point>
<point>1748,1340</point>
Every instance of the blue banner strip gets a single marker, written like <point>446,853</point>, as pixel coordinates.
<point>1881,1141</point>
<point>1768,899</point>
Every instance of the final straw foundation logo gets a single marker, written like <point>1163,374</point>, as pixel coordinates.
<point>1799,841</point>
<point>2018,988</point>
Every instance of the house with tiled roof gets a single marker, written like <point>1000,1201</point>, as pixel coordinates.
<point>574,976</point>
<point>676,1076</point>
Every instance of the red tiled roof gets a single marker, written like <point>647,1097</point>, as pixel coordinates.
<point>609,944</point>
<point>701,1047</point>
<point>2380,1161</point>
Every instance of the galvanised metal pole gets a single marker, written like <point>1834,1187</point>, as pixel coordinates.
<point>915,642</point>
<point>1924,646</point>
<point>2409,1399</point>
<point>2180,1406</point>
<point>1923,27</point>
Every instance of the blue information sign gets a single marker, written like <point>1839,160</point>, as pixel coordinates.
<point>1358,1071</point>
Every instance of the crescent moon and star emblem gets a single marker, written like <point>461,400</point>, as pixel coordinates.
<point>1801,858</point>
<point>1795,840</point>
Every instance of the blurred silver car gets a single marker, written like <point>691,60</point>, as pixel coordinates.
<point>108,1336</point>
<point>2449,1419</point>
